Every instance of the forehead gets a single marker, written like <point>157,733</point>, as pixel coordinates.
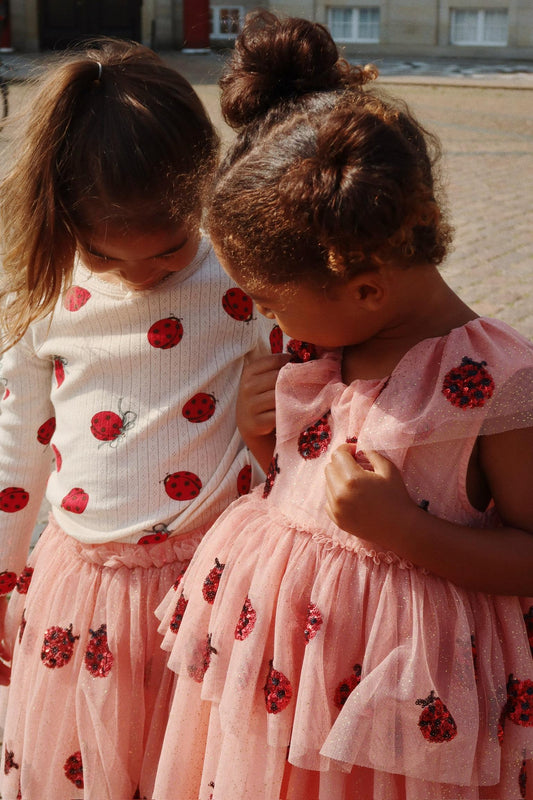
<point>126,242</point>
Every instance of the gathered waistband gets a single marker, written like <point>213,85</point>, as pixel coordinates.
<point>114,555</point>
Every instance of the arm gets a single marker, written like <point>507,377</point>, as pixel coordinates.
<point>376,506</point>
<point>256,418</point>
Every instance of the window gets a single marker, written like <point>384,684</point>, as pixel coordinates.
<point>481,27</point>
<point>354,24</point>
<point>226,21</point>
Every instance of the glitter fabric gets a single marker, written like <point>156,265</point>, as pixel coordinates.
<point>363,676</point>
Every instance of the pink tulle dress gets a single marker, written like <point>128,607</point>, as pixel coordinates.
<point>312,666</point>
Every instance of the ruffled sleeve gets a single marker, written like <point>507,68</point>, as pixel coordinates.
<point>477,380</point>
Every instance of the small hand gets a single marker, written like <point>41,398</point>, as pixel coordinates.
<point>256,406</point>
<point>372,505</point>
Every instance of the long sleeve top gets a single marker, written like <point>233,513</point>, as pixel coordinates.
<point>120,409</point>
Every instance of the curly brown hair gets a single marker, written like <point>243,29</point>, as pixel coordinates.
<point>328,178</point>
<point>113,134</point>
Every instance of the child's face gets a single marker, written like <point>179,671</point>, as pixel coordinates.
<point>138,259</point>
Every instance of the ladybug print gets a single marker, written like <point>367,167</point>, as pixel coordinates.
<point>301,352</point>
<point>522,779</point>
<point>9,761</point>
<point>212,581</point>
<point>199,408</point>
<point>276,340</point>
<point>107,426</point>
<point>24,580</point>
<point>159,534</point>
<point>75,501</point>
<point>166,333</point>
<point>238,305</point>
<point>3,382</point>
<point>528,619</point>
<point>98,657</point>
<point>247,619</point>
<point>75,298</point>
<point>13,499</point>
<point>46,431</point>
<point>177,616</point>
<point>435,722</point>
<point>73,769</point>
<point>182,485</point>
<point>314,440</point>
<point>468,385</point>
<point>346,686</point>
<point>178,580</point>
<point>58,646</point>
<point>244,480</point>
<point>273,470</point>
<point>59,369</point>
<point>8,581</point>
<point>313,623</point>
<point>57,454</point>
<point>22,625</point>
<point>501,725</point>
<point>204,651</point>
<point>277,690</point>
<point>519,707</point>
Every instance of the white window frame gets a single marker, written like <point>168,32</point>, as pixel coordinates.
<point>216,19</point>
<point>356,12</point>
<point>480,27</point>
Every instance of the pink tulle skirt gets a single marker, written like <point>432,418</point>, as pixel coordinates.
<point>313,669</point>
<point>90,692</point>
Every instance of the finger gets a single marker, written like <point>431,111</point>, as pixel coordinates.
<point>383,466</point>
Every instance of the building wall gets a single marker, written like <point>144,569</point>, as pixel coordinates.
<point>407,27</point>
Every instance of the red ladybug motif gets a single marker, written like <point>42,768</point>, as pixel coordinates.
<point>277,690</point>
<point>6,394</point>
<point>519,707</point>
<point>166,333</point>
<point>301,352</point>
<point>46,431</point>
<point>276,340</point>
<point>182,485</point>
<point>57,454</point>
<point>159,534</point>
<point>238,305</point>
<point>73,769</point>
<point>203,652</point>
<point>469,385</point>
<point>8,581</point>
<point>199,408</point>
<point>244,480</point>
<point>75,501</point>
<point>247,619</point>
<point>528,619</point>
<point>24,580</point>
<point>212,581</point>
<point>58,646</point>
<point>13,499</point>
<point>346,687</point>
<point>315,440</point>
<point>9,761</point>
<point>273,471</point>
<point>313,623</point>
<point>3,382</point>
<point>98,657</point>
<point>107,426</point>
<point>59,369</point>
<point>178,580</point>
<point>75,298</point>
<point>177,616</point>
<point>435,722</point>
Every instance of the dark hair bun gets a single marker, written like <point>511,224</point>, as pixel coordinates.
<point>281,59</point>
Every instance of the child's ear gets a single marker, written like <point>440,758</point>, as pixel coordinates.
<point>368,290</point>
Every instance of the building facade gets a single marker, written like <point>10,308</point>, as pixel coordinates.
<point>458,28</point>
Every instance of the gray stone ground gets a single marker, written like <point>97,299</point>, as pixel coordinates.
<point>483,114</point>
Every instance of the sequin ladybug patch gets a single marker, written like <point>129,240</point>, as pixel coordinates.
<point>469,385</point>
